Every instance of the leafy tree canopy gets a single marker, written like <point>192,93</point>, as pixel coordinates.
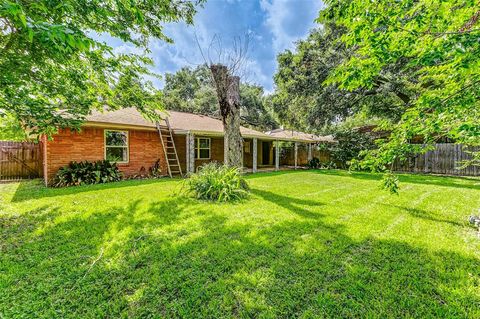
<point>303,99</point>
<point>255,111</point>
<point>11,130</point>
<point>350,142</point>
<point>53,71</point>
<point>436,44</point>
<point>191,90</point>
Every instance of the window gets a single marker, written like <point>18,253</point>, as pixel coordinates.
<point>202,148</point>
<point>116,146</point>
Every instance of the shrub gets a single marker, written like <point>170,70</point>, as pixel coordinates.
<point>313,163</point>
<point>81,173</point>
<point>329,165</point>
<point>155,170</point>
<point>350,142</point>
<point>217,183</point>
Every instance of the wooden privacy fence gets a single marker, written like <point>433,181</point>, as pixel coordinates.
<point>19,160</point>
<point>444,159</point>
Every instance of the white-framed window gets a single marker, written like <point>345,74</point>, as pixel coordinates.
<point>116,146</point>
<point>202,148</point>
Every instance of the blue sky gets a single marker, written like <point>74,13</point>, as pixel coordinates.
<point>273,26</point>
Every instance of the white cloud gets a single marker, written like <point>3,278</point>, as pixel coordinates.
<point>273,26</point>
<point>255,74</point>
<point>289,20</point>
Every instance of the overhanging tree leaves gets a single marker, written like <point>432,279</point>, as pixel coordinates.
<point>304,101</point>
<point>440,42</point>
<point>53,71</point>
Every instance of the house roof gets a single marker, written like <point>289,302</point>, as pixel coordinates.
<point>295,135</point>
<point>180,122</point>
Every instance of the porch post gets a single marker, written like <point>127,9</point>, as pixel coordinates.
<point>254,160</point>
<point>296,155</point>
<point>277,155</point>
<point>187,153</point>
<point>309,151</point>
<point>225,149</point>
<point>190,153</point>
<point>242,154</point>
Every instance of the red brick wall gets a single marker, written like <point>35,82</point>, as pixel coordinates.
<point>216,152</point>
<point>181,147</point>
<point>67,146</point>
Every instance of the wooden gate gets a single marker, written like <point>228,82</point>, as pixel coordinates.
<point>19,160</point>
<point>444,159</point>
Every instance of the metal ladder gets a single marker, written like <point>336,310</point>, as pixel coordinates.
<point>168,144</point>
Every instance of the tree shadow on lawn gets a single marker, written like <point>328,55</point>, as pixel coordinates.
<point>423,214</point>
<point>175,258</point>
<point>446,181</point>
<point>290,203</point>
<point>274,173</point>
<point>28,190</point>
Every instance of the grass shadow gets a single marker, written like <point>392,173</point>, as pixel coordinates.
<point>28,190</point>
<point>290,203</point>
<point>423,214</point>
<point>272,173</point>
<point>178,257</point>
<point>179,262</point>
<point>445,181</point>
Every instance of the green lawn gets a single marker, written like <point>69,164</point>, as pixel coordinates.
<point>305,244</point>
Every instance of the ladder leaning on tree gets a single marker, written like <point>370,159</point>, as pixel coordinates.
<point>168,144</point>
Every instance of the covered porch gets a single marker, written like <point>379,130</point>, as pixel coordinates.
<point>260,153</point>
<point>264,155</point>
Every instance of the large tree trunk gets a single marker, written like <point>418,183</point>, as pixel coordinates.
<point>227,87</point>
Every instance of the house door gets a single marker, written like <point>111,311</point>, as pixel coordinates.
<point>265,153</point>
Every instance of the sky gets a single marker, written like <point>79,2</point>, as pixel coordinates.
<point>272,27</point>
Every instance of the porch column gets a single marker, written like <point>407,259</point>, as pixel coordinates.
<point>309,151</point>
<point>242,154</point>
<point>296,155</point>
<point>190,153</point>
<point>254,160</point>
<point>277,155</point>
<point>225,150</point>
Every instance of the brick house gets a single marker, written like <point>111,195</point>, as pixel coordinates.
<point>135,143</point>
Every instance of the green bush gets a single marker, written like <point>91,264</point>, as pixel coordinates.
<point>313,163</point>
<point>350,143</point>
<point>217,183</point>
<point>328,165</point>
<point>155,170</point>
<point>81,173</point>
